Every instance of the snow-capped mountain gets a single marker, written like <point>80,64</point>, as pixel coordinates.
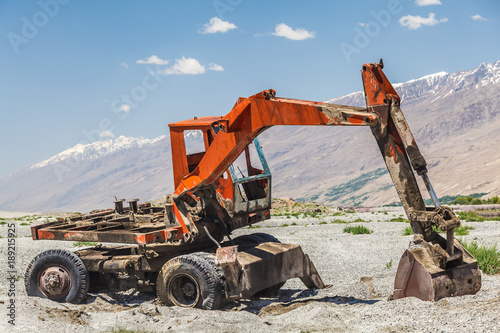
<point>455,119</point>
<point>96,150</point>
<point>436,85</point>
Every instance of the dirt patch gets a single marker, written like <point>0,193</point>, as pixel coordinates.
<point>78,317</point>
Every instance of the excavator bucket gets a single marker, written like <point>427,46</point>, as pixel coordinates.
<point>420,275</point>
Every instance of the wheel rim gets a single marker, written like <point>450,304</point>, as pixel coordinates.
<point>55,282</point>
<point>185,290</point>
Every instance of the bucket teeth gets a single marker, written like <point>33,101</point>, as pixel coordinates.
<point>424,272</point>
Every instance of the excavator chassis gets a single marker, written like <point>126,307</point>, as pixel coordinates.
<point>176,245</point>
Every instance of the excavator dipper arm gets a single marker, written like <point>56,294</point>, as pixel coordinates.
<point>433,267</point>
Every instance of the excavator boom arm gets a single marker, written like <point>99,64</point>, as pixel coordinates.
<point>253,115</point>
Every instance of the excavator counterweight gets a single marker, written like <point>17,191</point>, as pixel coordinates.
<point>174,248</point>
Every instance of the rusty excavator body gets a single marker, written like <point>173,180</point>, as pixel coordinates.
<point>178,249</point>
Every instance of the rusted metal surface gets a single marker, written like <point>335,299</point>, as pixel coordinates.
<point>258,267</point>
<point>422,274</point>
<point>434,267</point>
<point>55,282</point>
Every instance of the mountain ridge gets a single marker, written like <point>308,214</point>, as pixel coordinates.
<point>454,118</point>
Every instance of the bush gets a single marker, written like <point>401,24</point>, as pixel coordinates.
<point>494,200</point>
<point>488,257</point>
<point>359,220</point>
<point>357,230</point>
<point>476,201</point>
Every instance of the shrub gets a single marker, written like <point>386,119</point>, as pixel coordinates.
<point>476,201</point>
<point>359,220</point>
<point>357,230</point>
<point>350,211</point>
<point>494,200</point>
<point>488,257</point>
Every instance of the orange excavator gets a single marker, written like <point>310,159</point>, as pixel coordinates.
<point>179,249</point>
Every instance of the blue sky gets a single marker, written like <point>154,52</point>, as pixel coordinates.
<point>72,72</point>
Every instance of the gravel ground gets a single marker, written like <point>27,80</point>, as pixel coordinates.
<point>359,270</point>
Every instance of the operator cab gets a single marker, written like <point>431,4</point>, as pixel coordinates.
<point>246,183</point>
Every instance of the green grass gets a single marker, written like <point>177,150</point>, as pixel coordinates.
<point>357,230</point>
<point>470,217</point>
<point>350,211</point>
<point>408,231</point>
<point>323,222</point>
<point>337,214</point>
<point>398,219</point>
<point>294,223</point>
<point>463,230</point>
<point>285,225</point>
<point>24,223</point>
<point>488,257</point>
<point>3,222</point>
<point>388,265</point>
<point>359,220</point>
<point>77,244</point>
<point>254,227</point>
<point>339,221</point>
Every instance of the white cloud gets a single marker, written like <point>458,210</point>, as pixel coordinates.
<point>152,60</point>
<point>361,24</point>
<point>125,108</point>
<point>217,25</point>
<point>124,64</point>
<point>427,2</point>
<point>283,30</point>
<point>478,17</point>
<point>215,67</point>
<point>415,22</point>
<point>185,66</point>
<point>106,134</point>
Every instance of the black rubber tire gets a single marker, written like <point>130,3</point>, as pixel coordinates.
<point>197,272</point>
<point>259,238</point>
<point>256,238</point>
<point>78,273</point>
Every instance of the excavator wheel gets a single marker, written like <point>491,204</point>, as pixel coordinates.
<point>58,275</point>
<point>191,280</point>
<point>259,238</point>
